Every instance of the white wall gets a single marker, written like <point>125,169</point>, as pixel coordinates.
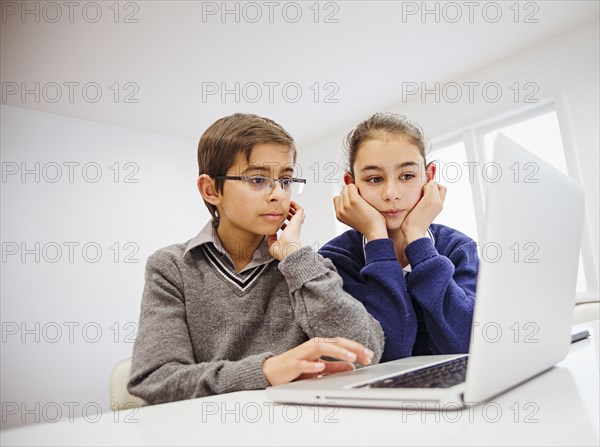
<point>42,368</point>
<point>566,69</point>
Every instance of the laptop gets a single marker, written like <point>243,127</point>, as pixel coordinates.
<point>524,302</point>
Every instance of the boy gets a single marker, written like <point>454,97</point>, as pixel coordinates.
<point>234,310</point>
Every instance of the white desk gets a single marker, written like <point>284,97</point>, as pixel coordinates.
<point>559,407</point>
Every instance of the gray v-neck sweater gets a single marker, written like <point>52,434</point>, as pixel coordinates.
<point>206,329</point>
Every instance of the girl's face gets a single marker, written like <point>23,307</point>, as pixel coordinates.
<point>389,174</point>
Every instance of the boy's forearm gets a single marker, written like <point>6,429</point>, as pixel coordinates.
<point>322,307</point>
<point>158,381</point>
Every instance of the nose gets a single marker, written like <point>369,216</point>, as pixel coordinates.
<point>391,192</point>
<point>276,191</point>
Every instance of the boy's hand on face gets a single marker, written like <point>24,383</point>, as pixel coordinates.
<point>289,240</point>
<point>354,211</point>
<point>419,219</point>
<point>304,361</point>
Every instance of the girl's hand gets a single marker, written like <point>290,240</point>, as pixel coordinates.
<point>419,219</point>
<point>304,361</point>
<point>289,240</point>
<point>354,211</point>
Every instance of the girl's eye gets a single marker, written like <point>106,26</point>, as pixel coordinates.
<point>407,177</point>
<point>374,180</point>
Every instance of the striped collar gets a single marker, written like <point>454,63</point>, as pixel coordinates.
<point>243,280</point>
<point>408,268</point>
<point>208,236</point>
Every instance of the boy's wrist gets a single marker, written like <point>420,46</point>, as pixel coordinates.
<point>266,369</point>
<point>281,250</point>
<point>302,266</point>
<point>290,247</point>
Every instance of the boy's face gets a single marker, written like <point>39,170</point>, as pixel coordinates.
<point>390,175</point>
<point>244,212</point>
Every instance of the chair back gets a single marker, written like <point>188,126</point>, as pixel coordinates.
<point>120,399</point>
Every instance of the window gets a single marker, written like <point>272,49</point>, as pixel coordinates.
<point>458,212</point>
<point>540,135</point>
<point>536,129</point>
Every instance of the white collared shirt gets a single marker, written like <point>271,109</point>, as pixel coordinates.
<point>208,234</point>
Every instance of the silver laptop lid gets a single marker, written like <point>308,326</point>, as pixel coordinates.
<point>528,271</point>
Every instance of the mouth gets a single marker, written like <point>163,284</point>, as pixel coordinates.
<point>392,213</point>
<point>272,216</point>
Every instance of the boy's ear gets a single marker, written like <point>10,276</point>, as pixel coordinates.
<point>208,189</point>
<point>348,178</point>
<point>430,171</point>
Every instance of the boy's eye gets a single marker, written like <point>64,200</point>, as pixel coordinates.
<point>407,176</point>
<point>285,181</point>
<point>257,180</point>
<point>374,180</point>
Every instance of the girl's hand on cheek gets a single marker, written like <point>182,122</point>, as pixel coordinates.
<point>354,211</point>
<point>419,219</point>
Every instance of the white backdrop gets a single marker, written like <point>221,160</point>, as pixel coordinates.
<point>76,232</point>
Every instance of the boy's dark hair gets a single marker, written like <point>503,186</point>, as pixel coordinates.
<point>240,132</point>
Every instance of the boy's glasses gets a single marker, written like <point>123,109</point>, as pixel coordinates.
<point>258,183</point>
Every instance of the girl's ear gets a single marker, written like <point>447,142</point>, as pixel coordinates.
<point>208,190</point>
<point>430,171</point>
<point>348,178</point>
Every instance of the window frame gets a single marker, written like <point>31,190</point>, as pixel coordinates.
<point>472,137</point>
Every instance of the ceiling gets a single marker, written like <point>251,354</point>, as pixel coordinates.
<point>179,57</point>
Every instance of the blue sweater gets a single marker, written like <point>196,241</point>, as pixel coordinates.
<point>428,312</point>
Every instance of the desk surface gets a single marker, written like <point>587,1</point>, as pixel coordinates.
<point>559,407</point>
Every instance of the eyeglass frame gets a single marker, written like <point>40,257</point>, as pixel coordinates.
<point>246,178</point>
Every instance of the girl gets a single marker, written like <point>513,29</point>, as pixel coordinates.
<point>417,278</point>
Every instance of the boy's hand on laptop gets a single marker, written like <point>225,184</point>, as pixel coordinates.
<point>304,361</point>
<point>289,239</point>
<point>351,209</point>
<point>419,219</point>
<point>330,368</point>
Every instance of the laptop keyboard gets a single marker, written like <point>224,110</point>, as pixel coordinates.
<point>443,375</point>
